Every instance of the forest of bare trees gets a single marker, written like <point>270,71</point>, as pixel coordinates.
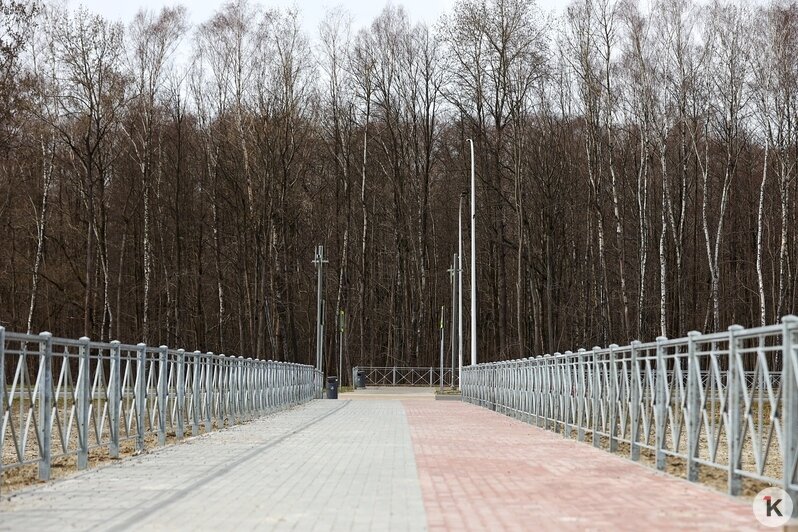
<point>635,174</point>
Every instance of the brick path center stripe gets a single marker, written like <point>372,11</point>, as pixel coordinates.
<point>480,470</point>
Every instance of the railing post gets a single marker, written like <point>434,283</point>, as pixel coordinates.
<point>82,401</point>
<point>789,385</point>
<point>243,388</point>
<point>546,389</point>
<point>524,389</point>
<point>394,375</point>
<point>281,383</point>
<point>693,405</point>
<point>613,398</point>
<point>501,387</point>
<point>270,385</point>
<point>141,394</point>
<point>45,404</point>
<point>208,365</point>
<point>264,383</point>
<point>234,378</point>
<point>246,398</point>
<point>487,383</point>
<point>240,390</point>
<point>221,369</point>
<point>289,383</point>
<point>595,398</point>
<point>494,379</point>
<point>735,418</point>
<point>196,386</point>
<point>2,393</point>
<point>248,388</point>
<point>569,393</point>
<point>490,386</point>
<point>556,392</point>
<point>115,398</point>
<point>296,381</point>
<point>581,395</point>
<point>661,406</point>
<point>261,385</point>
<point>181,392</point>
<point>278,384</point>
<point>300,383</point>
<point>261,365</point>
<point>162,392</point>
<point>634,408</point>
<point>286,385</point>
<point>517,389</point>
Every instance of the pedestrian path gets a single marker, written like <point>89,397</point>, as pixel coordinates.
<point>402,464</point>
<point>480,470</point>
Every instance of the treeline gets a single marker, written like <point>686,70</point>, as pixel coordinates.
<point>635,174</point>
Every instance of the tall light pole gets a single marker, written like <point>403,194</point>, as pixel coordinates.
<point>443,308</point>
<point>453,279</point>
<point>473,262</point>
<point>341,326</point>
<point>319,261</point>
<point>460,293</point>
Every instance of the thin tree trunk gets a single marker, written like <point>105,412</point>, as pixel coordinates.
<point>759,229</point>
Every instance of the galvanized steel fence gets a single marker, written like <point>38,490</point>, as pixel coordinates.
<point>61,397</point>
<point>404,376</point>
<point>726,401</point>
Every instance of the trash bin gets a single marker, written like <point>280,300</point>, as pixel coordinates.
<point>332,387</point>
<point>361,379</point>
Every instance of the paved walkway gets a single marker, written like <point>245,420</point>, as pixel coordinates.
<point>407,464</point>
<point>481,470</point>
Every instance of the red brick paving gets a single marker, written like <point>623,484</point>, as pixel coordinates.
<point>480,470</point>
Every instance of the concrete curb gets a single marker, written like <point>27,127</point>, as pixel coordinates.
<point>448,397</point>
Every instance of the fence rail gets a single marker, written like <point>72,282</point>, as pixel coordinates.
<point>726,401</point>
<point>62,397</point>
<point>403,376</point>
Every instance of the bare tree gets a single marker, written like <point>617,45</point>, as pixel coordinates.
<point>153,40</point>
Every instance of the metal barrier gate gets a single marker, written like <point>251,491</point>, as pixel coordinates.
<point>404,376</point>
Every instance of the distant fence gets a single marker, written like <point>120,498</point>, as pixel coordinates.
<point>403,376</point>
<point>61,397</point>
<point>726,401</point>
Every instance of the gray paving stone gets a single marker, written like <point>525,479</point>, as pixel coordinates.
<point>327,465</point>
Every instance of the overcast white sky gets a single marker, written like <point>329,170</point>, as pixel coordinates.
<point>363,11</point>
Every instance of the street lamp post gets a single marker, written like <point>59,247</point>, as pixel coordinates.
<point>341,326</point>
<point>473,262</point>
<point>453,279</point>
<point>443,308</point>
<point>319,261</point>
<point>460,294</point>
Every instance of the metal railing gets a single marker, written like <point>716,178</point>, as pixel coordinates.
<point>403,376</point>
<point>62,397</point>
<point>725,401</point>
